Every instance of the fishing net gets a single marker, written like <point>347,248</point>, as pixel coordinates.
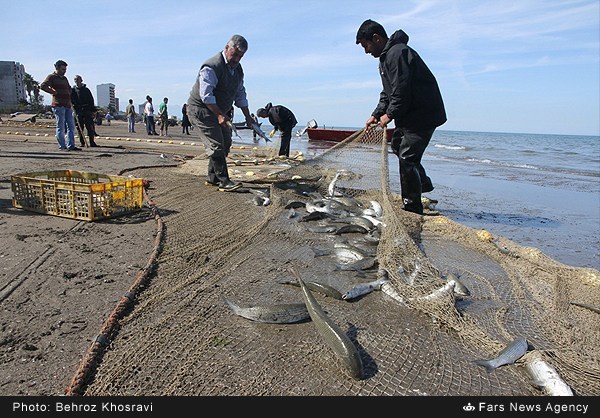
<point>417,335</point>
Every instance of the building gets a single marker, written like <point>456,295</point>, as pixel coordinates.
<point>12,86</point>
<point>106,95</point>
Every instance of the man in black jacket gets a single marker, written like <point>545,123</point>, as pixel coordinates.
<point>282,120</point>
<point>83,103</point>
<point>411,98</point>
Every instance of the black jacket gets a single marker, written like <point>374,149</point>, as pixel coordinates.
<point>410,96</point>
<point>82,99</point>
<point>281,118</point>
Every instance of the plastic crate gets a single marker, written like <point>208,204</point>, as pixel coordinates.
<point>76,194</point>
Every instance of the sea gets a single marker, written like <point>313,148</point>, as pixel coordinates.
<point>537,190</point>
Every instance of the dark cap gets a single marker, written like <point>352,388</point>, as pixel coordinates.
<point>59,63</point>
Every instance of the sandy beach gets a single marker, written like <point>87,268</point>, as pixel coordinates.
<point>61,278</point>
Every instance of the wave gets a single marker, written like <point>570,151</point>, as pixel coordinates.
<point>453,147</point>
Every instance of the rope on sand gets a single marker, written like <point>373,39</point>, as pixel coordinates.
<point>92,358</point>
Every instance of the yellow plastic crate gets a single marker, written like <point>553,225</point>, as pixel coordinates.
<point>77,194</point>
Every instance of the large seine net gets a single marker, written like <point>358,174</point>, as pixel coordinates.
<point>180,338</point>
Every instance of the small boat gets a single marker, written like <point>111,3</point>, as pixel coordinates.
<point>336,135</point>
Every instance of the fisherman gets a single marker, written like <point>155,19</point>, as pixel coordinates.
<point>83,103</point>
<point>411,98</point>
<point>219,86</point>
<point>282,120</point>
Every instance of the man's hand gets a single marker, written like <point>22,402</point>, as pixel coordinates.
<point>370,122</point>
<point>384,120</point>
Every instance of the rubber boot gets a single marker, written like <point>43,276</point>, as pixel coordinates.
<point>410,183</point>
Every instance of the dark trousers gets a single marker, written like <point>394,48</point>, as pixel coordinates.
<point>286,137</point>
<point>86,120</point>
<point>217,142</point>
<point>150,125</point>
<point>410,146</point>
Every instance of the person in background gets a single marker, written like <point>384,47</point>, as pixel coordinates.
<point>83,103</point>
<point>411,98</point>
<point>163,114</point>
<point>58,86</point>
<point>218,87</point>
<point>185,120</point>
<point>283,120</point>
<point>149,112</point>
<point>131,115</point>
<point>108,118</point>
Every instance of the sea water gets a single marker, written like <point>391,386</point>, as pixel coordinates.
<point>537,190</point>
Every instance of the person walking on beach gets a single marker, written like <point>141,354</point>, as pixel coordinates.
<point>163,114</point>
<point>411,98</point>
<point>185,120</point>
<point>130,114</point>
<point>83,103</point>
<point>149,112</point>
<point>58,86</point>
<point>218,87</point>
<point>282,120</point>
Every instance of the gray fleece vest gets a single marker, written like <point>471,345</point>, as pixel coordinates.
<point>227,85</point>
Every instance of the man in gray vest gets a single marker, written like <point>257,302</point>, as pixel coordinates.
<point>218,87</point>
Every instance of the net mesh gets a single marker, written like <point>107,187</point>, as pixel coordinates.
<point>415,336</point>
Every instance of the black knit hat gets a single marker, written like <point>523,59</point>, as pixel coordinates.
<point>59,63</point>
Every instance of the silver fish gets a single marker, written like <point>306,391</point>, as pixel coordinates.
<point>508,355</point>
<point>333,336</point>
<point>232,127</point>
<point>459,287</point>
<point>286,313</point>
<point>351,229</point>
<point>313,216</point>
<point>259,132</point>
<point>356,220</point>
<point>376,206</point>
<point>322,288</point>
<point>544,377</point>
<point>345,254</point>
<point>389,290</point>
<point>364,288</point>
<point>331,187</point>
<point>445,290</point>
<point>364,264</point>
<point>321,229</point>
<point>295,204</point>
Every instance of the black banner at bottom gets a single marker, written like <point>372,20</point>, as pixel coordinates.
<point>161,405</point>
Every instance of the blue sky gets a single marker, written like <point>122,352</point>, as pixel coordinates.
<point>525,66</point>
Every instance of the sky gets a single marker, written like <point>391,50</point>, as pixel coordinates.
<point>522,66</point>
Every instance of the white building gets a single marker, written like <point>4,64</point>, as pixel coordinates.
<point>12,87</point>
<point>106,95</point>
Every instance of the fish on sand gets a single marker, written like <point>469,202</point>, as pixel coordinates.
<point>511,353</point>
<point>332,335</point>
<point>286,313</point>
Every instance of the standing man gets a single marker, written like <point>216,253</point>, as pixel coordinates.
<point>58,86</point>
<point>130,114</point>
<point>219,85</point>
<point>149,112</point>
<point>411,98</point>
<point>83,103</point>
<point>282,120</point>
<point>163,114</point>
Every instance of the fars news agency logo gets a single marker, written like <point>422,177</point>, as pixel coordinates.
<point>468,407</point>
